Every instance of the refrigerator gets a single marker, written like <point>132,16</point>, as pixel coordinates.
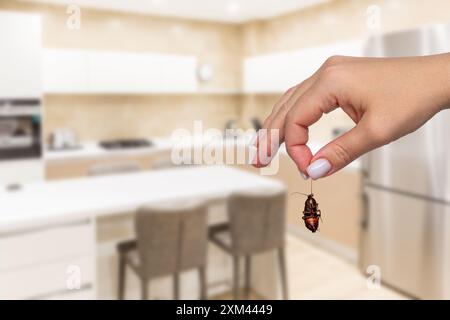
<point>405,227</point>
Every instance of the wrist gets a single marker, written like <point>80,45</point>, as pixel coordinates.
<point>442,81</point>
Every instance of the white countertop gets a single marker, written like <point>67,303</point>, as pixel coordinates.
<point>92,149</point>
<point>43,203</point>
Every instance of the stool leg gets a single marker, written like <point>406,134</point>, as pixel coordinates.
<point>176,286</point>
<point>144,289</point>
<point>283,272</point>
<point>236,277</point>
<point>247,276</point>
<point>202,278</point>
<point>122,274</point>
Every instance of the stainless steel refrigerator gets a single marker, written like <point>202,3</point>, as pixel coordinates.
<point>405,229</point>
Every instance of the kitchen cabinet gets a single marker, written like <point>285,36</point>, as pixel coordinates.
<point>21,171</point>
<point>37,262</point>
<point>290,68</point>
<point>109,72</point>
<point>20,55</point>
<point>65,71</point>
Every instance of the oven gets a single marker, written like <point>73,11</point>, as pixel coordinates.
<point>20,129</point>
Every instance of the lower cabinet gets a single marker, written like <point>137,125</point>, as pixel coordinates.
<point>49,261</point>
<point>74,168</point>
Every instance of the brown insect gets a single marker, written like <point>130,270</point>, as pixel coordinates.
<point>311,212</point>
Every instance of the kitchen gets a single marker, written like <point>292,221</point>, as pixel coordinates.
<point>90,96</point>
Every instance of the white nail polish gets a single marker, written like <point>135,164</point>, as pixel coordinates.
<point>252,141</point>
<point>304,176</point>
<point>318,168</point>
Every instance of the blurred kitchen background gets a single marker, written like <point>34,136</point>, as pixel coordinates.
<point>90,92</point>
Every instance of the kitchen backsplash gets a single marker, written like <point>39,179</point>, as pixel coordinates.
<point>107,117</point>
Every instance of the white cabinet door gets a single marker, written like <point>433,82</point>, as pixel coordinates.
<point>21,171</point>
<point>65,71</point>
<point>20,55</point>
<point>113,72</point>
<point>179,74</point>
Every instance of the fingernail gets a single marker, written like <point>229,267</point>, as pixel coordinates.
<point>318,168</point>
<point>304,176</point>
<point>252,141</point>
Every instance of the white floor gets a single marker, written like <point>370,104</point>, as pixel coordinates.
<point>318,274</point>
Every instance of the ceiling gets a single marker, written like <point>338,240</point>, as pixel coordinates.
<point>232,11</point>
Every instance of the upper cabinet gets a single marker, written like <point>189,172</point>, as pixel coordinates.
<point>274,73</point>
<point>20,55</point>
<point>75,71</point>
<point>65,71</point>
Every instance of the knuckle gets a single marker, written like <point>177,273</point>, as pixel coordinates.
<point>331,74</point>
<point>334,60</point>
<point>289,119</point>
<point>341,153</point>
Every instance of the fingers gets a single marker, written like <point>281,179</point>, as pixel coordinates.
<point>276,120</point>
<point>272,135</point>
<point>307,110</point>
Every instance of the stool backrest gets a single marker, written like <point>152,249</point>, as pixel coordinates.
<point>171,240</point>
<point>257,222</point>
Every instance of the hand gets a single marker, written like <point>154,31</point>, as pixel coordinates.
<point>387,98</point>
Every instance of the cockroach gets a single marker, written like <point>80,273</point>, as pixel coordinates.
<point>311,212</point>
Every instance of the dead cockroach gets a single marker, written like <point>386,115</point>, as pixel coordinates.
<point>311,212</point>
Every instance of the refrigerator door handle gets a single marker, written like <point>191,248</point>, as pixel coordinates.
<point>364,221</point>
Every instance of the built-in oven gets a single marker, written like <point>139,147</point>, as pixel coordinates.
<point>20,129</point>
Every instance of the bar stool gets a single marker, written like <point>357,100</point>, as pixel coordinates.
<point>170,238</point>
<point>256,224</point>
<point>112,168</point>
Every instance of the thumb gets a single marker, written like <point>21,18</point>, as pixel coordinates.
<point>339,152</point>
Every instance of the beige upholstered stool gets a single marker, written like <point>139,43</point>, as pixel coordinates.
<point>256,224</point>
<point>170,238</point>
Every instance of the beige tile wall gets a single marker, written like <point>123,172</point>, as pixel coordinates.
<point>108,117</point>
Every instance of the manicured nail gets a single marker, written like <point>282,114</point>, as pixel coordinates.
<point>252,141</point>
<point>318,168</point>
<point>304,176</point>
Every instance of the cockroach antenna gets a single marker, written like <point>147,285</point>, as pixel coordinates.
<point>304,194</point>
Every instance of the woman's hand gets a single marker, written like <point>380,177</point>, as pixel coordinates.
<point>387,98</point>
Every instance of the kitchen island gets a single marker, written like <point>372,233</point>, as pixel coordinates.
<point>50,242</point>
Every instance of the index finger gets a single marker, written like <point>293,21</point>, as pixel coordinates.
<point>307,110</point>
